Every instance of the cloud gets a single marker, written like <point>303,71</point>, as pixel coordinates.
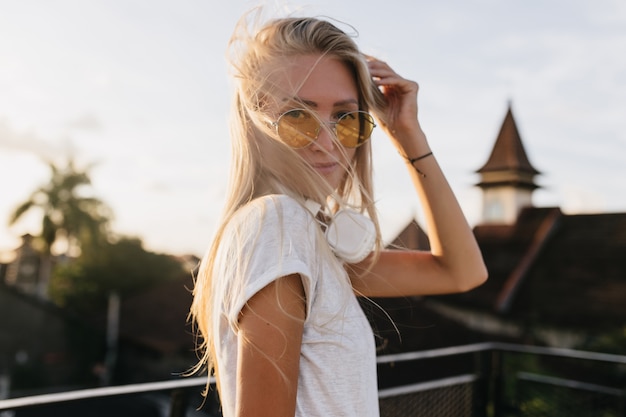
<point>28,142</point>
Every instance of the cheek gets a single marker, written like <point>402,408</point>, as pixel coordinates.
<point>349,154</point>
<point>304,154</point>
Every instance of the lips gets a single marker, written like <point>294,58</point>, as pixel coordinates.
<point>325,168</point>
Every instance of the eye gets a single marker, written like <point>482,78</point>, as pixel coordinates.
<point>297,114</point>
<point>346,115</point>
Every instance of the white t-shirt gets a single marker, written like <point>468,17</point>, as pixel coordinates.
<point>279,237</point>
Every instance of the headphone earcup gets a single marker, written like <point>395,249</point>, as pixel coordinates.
<point>351,235</point>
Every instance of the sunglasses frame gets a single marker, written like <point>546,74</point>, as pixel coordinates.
<point>368,118</point>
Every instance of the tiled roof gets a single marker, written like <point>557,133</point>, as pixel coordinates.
<point>508,152</point>
<point>411,237</point>
<point>508,164</point>
<point>575,275</point>
<point>580,278</point>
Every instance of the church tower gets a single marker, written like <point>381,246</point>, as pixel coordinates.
<point>507,178</point>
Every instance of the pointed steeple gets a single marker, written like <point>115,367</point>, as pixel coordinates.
<point>508,163</point>
<point>507,179</point>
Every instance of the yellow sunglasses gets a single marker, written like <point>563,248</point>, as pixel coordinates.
<point>299,128</point>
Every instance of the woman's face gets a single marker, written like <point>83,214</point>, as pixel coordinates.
<point>328,88</point>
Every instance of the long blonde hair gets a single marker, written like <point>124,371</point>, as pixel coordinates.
<point>261,164</point>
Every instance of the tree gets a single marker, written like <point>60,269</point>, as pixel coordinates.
<point>123,267</point>
<point>66,212</point>
<point>68,215</point>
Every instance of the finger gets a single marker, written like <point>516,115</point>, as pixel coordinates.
<point>380,67</point>
<point>386,76</point>
<point>385,70</point>
<point>398,83</point>
<point>376,62</point>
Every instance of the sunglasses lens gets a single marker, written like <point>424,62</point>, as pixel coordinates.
<point>298,128</point>
<point>355,128</point>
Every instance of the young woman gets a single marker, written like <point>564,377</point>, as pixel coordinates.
<point>275,298</point>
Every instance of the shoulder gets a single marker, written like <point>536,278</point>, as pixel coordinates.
<point>277,202</point>
<point>275,209</point>
<point>270,218</point>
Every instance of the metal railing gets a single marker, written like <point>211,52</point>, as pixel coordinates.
<point>487,379</point>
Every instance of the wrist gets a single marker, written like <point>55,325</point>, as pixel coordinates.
<point>414,160</point>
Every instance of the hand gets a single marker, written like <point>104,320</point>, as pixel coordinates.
<point>400,121</point>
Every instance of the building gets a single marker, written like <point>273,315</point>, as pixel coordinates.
<point>24,272</point>
<point>507,178</point>
<point>555,279</point>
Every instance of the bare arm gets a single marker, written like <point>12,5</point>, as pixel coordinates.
<point>270,338</point>
<point>454,263</point>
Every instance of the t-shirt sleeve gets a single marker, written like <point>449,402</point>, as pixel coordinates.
<point>272,237</point>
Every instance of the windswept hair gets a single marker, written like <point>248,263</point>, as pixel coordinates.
<point>262,164</point>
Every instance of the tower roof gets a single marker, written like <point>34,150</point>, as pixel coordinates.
<point>508,154</point>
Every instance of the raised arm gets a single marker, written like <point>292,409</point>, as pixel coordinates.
<point>270,338</point>
<point>454,263</point>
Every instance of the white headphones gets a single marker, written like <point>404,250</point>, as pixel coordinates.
<point>351,235</point>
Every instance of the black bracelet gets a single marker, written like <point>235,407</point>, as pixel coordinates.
<point>412,161</point>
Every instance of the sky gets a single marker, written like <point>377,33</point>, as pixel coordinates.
<point>140,89</point>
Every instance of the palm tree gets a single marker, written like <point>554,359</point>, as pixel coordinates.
<point>68,216</point>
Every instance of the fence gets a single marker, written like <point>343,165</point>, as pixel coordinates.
<point>481,380</point>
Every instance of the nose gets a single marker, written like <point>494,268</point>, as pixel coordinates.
<point>325,138</point>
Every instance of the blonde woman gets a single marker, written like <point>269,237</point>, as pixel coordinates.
<point>275,298</point>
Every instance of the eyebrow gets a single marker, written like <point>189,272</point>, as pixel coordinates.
<point>313,104</point>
